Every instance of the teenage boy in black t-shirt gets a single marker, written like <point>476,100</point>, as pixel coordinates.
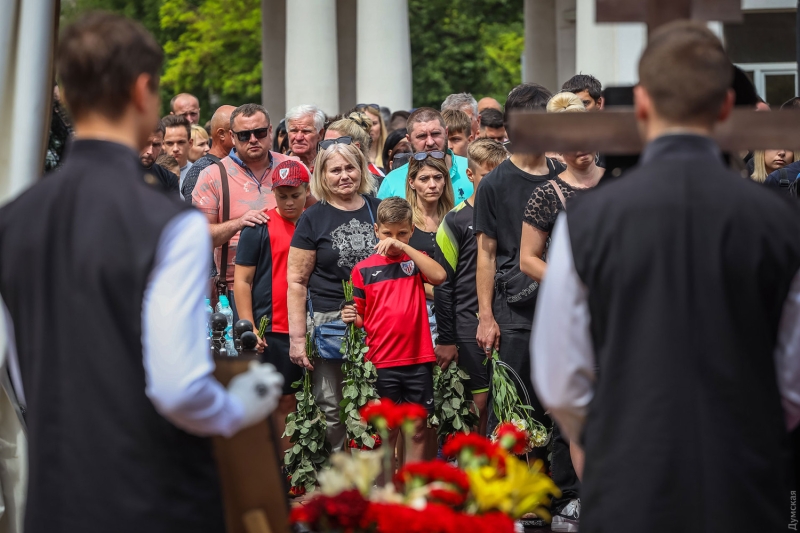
<point>259,279</point>
<point>505,315</point>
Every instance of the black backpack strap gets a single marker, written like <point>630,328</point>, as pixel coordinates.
<point>783,178</point>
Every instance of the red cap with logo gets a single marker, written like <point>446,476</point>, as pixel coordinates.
<point>290,174</point>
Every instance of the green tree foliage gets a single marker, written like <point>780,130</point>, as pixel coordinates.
<point>213,50</point>
<point>213,47</point>
<point>465,46</point>
<point>145,11</point>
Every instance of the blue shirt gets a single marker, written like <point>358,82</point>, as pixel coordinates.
<point>792,171</point>
<point>394,184</point>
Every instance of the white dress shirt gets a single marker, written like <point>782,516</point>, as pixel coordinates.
<point>177,361</point>
<point>563,365</point>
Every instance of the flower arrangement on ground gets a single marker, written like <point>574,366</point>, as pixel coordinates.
<point>307,426</point>
<point>486,491</point>
<point>359,384</point>
<point>509,407</point>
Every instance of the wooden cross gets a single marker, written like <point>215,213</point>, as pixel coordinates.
<point>657,12</point>
<point>615,132</point>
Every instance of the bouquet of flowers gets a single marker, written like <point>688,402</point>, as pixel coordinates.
<point>486,491</point>
<point>453,412</point>
<point>310,449</point>
<point>508,407</point>
<point>359,384</point>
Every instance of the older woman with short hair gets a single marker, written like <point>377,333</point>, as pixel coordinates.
<point>331,237</point>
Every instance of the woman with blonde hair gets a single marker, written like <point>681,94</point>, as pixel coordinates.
<point>200,146</point>
<point>429,190</point>
<point>377,132</point>
<point>546,201</point>
<point>357,127</point>
<point>765,162</point>
<point>331,237</point>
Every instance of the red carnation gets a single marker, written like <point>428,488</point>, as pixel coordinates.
<point>297,491</point>
<point>447,497</point>
<point>431,471</point>
<point>412,411</point>
<point>511,438</point>
<point>480,446</point>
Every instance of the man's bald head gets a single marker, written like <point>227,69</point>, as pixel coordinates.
<point>220,126</point>
<point>488,102</point>
<point>187,105</point>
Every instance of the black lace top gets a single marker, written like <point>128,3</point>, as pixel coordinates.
<point>544,204</point>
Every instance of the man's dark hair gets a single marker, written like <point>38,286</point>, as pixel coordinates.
<point>423,114</point>
<point>248,110</point>
<point>791,103</point>
<point>491,118</point>
<point>161,129</point>
<point>99,59</point>
<point>526,97</point>
<point>177,121</point>
<point>400,113</point>
<point>686,72</point>
<point>584,82</point>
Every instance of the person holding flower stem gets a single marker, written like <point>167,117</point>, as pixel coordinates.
<point>389,294</point>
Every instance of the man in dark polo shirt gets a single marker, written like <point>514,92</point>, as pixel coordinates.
<point>153,149</point>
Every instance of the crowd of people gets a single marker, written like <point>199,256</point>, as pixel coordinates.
<point>444,226</point>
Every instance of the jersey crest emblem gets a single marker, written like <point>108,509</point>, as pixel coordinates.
<point>408,267</point>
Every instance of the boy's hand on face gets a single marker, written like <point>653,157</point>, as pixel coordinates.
<point>349,314</point>
<point>389,246</point>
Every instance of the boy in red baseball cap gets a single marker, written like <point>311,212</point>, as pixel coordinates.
<point>259,279</point>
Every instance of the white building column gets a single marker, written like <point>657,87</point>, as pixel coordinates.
<point>383,54</point>
<point>609,52</point>
<point>312,62</point>
<point>273,58</point>
<point>540,61</point>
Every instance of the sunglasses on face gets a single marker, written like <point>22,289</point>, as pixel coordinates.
<point>422,156</point>
<point>244,135</point>
<point>324,145</point>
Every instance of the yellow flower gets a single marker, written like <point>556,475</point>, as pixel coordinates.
<point>518,491</point>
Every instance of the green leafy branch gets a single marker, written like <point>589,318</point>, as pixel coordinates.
<point>453,412</point>
<point>509,407</point>
<point>360,376</point>
<point>307,428</point>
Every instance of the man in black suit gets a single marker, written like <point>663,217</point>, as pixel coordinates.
<point>666,339</point>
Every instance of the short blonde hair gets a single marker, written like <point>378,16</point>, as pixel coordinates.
<point>199,131</point>
<point>565,102</point>
<point>457,121</point>
<point>357,126</point>
<point>351,154</point>
<point>486,152</point>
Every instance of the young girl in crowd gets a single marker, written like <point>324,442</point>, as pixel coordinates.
<point>430,193</point>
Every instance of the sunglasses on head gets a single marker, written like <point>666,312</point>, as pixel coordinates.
<point>244,135</point>
<point>422,156</point>
<point>364,106</point>
<point>324,145</point>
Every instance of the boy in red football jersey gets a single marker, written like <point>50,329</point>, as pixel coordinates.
<point>259,279</point>
<point>390,304</point>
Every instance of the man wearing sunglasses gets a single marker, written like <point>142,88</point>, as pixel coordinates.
<point>427,133</point>
<point>248,169</point>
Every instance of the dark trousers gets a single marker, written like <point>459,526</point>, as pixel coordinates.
<point>515,351</point>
